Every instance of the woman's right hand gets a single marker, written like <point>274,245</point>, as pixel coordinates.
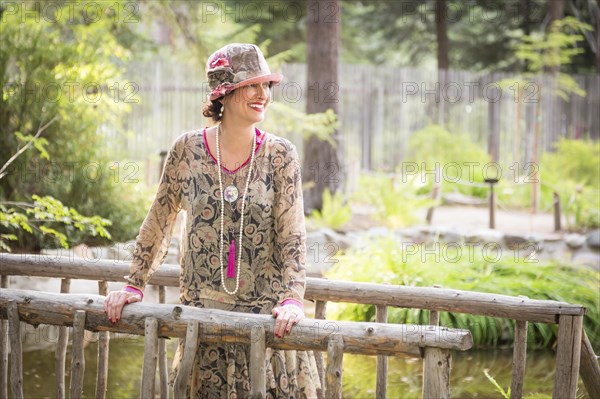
<point>114,302</point>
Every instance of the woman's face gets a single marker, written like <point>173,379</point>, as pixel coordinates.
<point>248,103</point>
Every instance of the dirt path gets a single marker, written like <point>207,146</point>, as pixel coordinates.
<point>512,222</point>
<point>470,218</point>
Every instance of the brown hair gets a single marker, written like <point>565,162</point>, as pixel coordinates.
<point>212,109</point>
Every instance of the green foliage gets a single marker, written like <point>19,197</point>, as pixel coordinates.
<point>39,143</point>
<point>457,156</point>
<point>573,159</point>
<point>573,170</point>
<point>118,194</point>
<point>287,121</point>
<point>473,269</point>
<point>335,213</point>
<point>67,67</point>
<point>43,213</point>
<point>557,47</point>
<point>396,199</point>
<point>499,389</point>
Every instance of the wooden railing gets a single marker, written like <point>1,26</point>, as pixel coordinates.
<point>572,347</point>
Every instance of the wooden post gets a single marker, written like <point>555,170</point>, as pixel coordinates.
<point>436,373</point>
<point>3,348</point>
<point>189,354</point>
<point>556,199</point>
<point>16,350</point>
<point>60,356</point>
<point>492,202</point>
<point>382,361</point>
<point>590,370</point>
<point>320,313</point>
<point>78,358</point>
<point>519,359</point>
<point>150,357</point>
<point>103,342</point>
<point>568,354</point>
<point>163,157</point>
<point>163,370</point>
<point>335,355</point>
<point>436,365</point>
<point>494,122</point>
<point>436,192</point>
<point>258,389</point>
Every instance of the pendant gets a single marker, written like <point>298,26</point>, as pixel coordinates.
<point>231,261</point>
<point>230,193</point>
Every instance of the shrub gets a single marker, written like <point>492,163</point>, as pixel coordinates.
<point>335,213</point>
<point>395,198</point>
<point>462,158</point>
<point>573,170</point>
<point>69,70</point>
<point>383,261</point>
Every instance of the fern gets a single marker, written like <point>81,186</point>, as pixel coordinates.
<point>335,213</point>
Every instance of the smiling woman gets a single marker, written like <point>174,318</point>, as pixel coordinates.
<point>243,201</point>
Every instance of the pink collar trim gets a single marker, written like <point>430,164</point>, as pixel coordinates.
<point>260,138</point>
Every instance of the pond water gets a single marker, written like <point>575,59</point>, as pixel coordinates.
<point>467,378</point>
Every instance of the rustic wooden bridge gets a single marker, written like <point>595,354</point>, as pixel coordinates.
<point>432,343</point>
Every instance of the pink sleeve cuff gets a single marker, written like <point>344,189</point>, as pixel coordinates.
<point>134,290</point>
<point>292,301</point>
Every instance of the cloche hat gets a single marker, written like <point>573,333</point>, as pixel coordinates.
<point>237,65</point>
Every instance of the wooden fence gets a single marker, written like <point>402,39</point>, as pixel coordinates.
<point>574,352</point>
<point>381,108</point>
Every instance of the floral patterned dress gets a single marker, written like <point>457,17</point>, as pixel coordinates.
<point>272,263</point>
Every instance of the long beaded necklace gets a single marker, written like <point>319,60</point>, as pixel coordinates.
<point>232,271</point>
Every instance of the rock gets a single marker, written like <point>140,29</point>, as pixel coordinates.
<point>341,240</point>
<point>447,234</point>
<point>551,237</point>
<point>558,251</point>
<point>410,236</point>
<point>587,258</point>
<point>574,240</point>
<point>378,232</point>
<point>356,239</point>
<point>515,241</point>
<point>485,235</point>
<point>593,239</point>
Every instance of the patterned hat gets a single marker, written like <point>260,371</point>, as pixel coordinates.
<point>237,65</point>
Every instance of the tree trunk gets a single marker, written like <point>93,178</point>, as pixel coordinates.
<point>441,25</point>
<point>557,9</point>
<point>598,39</point>
<point>526,13</point>
<point>323,167</point>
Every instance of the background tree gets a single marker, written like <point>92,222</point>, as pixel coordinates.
<point>481,33</point>
<point>323,163</point>
<point>441,24</point>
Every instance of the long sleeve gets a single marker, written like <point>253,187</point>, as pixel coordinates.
<point>152,242</point>
<point>290,229</point>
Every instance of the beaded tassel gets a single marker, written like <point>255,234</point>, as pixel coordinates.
<point>231,261</point>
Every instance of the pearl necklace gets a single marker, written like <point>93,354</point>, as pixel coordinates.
<point>239,259</point>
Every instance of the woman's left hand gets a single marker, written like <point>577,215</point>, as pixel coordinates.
<point>286,316</point>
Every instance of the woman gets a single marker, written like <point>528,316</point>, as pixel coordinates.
<point>243,246</point>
